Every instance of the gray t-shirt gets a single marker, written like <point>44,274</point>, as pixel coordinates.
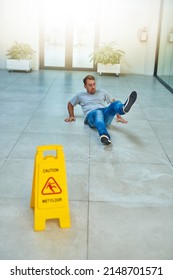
<point>90,102</point>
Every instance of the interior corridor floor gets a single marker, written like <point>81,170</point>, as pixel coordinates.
<point>120,196</point>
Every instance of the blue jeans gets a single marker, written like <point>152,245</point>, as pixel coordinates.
<point>101,118</point>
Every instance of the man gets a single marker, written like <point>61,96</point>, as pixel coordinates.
<point>96,114</point>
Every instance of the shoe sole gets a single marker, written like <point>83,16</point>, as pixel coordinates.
<point>130,101</point>
<point>105,140</point>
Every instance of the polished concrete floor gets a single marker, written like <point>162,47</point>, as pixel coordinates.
<point>120,196</point>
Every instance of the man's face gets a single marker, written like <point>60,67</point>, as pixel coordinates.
<point>90,86</point>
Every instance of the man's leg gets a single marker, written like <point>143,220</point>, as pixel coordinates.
<point>95,119</point>
<point>100,118</point>
<point>117,107</point>
<point>113,109</point>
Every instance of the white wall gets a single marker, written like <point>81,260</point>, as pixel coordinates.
<point>19,21</point>
<point>120,20</point>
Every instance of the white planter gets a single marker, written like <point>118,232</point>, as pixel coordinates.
<point>108,68</point>
<point>19,64</point>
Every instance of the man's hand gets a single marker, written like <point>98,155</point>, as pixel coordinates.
<point>70,119</point>
<point>120,119</point>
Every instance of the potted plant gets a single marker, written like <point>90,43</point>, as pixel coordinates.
<point>108,58</point>
<point>20,57</point>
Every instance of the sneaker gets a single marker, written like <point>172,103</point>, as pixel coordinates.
<point>105,140</point>
<point>130,101</point>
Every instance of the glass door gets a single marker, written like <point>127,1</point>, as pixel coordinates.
<point>83,41</point>
<point>54,35</point>
<point>68,34</point>
<point>164,65</point>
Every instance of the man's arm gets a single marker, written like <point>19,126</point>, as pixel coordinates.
<point>71,117</point>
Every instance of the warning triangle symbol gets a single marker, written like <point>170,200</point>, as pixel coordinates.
<point>51,187</point>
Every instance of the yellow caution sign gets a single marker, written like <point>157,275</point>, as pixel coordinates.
<point>49,189</point>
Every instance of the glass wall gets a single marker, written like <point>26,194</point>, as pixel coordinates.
<point>164,63</point>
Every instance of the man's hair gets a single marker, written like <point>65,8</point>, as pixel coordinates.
<point>88,77</point>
